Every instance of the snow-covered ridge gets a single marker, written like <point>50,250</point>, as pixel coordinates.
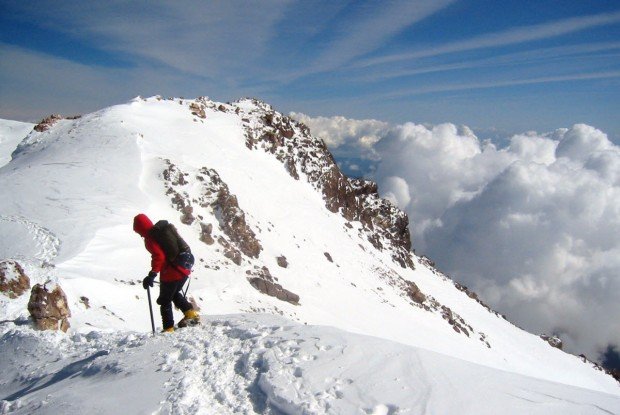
<point>275,228</point>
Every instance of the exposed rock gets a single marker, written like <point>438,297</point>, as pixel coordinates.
<point>85,301</point>
<point>356,200</point>
<point>49,309</point>
<point>427,261</point>
<point>13,280</point>
<point>458,324</point>
<point>205,233</point>
<point>197,109</point>
<point>47,122</point>
<point>328,256</point>
<point>235,225</point>
<point>261,272</point>
<point>215,194</point>
<point>174,180</point>
<point>174,175</point>
<point>187,216</point>
<point>282,261</point>
<point>274,290</point>
<point>413,292</point>
<point>261,279</point>
<point>240,238</point>
<point>230,251</point>
<point>472,295</point>
<point>554,341</point>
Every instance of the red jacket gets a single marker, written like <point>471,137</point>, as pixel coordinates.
<point>169,273</point>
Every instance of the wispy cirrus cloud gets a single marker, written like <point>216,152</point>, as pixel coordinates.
<point>499,84</point>
<point>528,57</point>
<point>183,35</point>
<point>509,37</point>
<point>370,31</point>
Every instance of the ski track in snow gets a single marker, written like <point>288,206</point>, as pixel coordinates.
<point>46,242</point>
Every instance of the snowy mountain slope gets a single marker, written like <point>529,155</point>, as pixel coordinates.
<point>11,133</point>
<point>265,364</point>
<point>262,207</point>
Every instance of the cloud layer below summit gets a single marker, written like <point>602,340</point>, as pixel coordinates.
<point>532,226</point>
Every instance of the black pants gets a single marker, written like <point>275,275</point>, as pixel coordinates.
<point>170,292</point>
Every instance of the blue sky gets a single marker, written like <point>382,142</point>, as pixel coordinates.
<point>504,66</point>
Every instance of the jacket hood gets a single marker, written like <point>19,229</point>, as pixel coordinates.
<point>142,224</point>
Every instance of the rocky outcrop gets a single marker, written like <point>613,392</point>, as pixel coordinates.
<point>236,237</point>
<point>282,261</point>
<point>230,251</point>
<point>49,309</point>
<point>206,229</point>
<point>48,122</point>
<point>412,293</point>
<point>216,194</point>
<point>554,341</point>
<point>263,281</point>
<point>384,225</point>
<point>473,296</point>
<point>425,261</point>
<point>197,110</point>
<point>175,179</point>
<point>13,280</point>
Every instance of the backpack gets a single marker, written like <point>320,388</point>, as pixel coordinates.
<point>175,248</point>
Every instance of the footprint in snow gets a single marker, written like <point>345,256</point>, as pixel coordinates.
<point>29,240</point>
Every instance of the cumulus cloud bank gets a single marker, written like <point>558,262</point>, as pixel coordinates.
<point>346,136</point>
<point>533,227</point>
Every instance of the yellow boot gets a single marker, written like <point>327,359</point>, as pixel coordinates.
<point>168,330</point>
<point>192,318</point>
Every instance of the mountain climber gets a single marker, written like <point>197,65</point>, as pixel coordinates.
<point>171,257</point>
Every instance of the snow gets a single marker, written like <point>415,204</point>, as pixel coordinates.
<point>11,133</point>
<point>354,344</point>
<point>256,363</point>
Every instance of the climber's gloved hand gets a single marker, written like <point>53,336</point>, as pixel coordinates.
<point>148,280</point>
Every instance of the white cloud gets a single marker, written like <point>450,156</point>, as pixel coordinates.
<point>342,134</point>
<point>502,83</point>
<point>396,190</point>
<point>371,31</point>
<point>533,227</point>
<point>528,57</point>
<point>196,38</point>
<point>508,37</point>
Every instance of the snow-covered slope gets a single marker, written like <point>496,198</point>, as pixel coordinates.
<point>264,364</point>
<point>264,209</point>
<point>11,133</point>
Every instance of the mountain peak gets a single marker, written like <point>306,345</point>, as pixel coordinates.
<point>274,224</point>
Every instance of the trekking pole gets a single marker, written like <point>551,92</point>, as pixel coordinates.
<point>148,293</point>
<point>187,288</point>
